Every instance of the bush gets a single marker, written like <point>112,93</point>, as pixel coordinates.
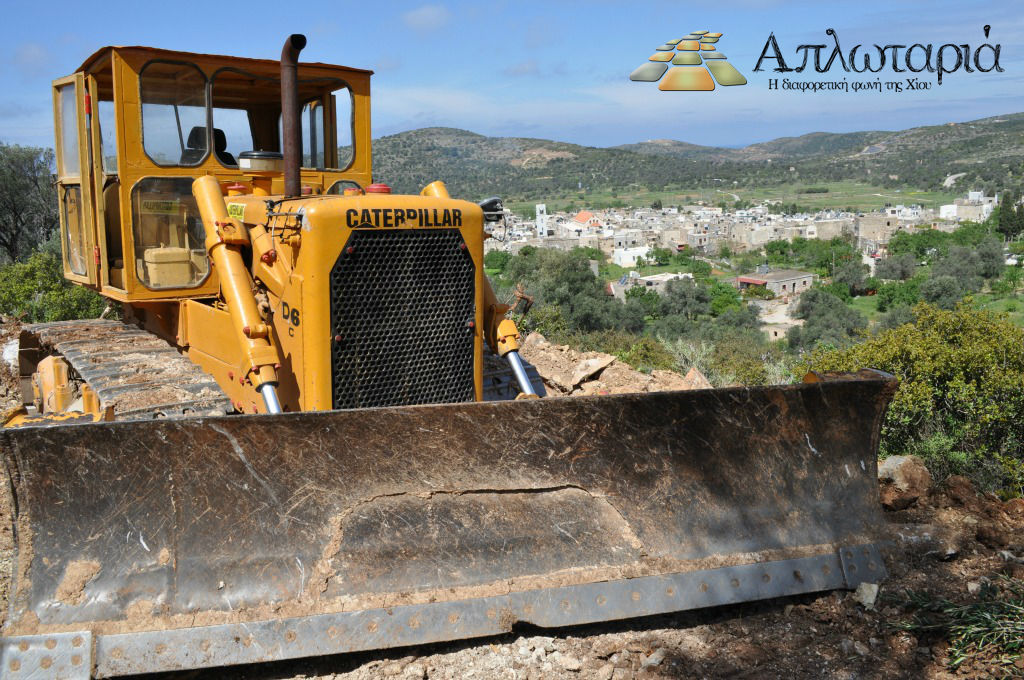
<point>642,353</point>
<point>497,260</point>
<point>36,290</point>
<point>827,320</point>
<point>896,317</point>
<point>903,294</point>
<point>943,291</point>
<point>896,268</point>
<point>757,293</point>
<point>960,402</point>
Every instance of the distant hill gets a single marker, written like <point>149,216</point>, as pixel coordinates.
<point>990,153</point>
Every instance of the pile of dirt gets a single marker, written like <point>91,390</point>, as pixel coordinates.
<point>569,372</point>
<point>10,385</point>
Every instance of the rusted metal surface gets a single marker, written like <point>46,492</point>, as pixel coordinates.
<point>167,524</point>
<point>60,656</point>
<point>119,654</point>
<point>290,130</point>
<point>138,374</point>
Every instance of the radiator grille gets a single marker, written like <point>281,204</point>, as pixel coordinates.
<point>401,305</point>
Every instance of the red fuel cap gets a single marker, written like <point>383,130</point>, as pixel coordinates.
<point>378,189</point>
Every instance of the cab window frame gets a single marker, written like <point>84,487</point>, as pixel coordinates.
<point>206,110</point>
<point>212,93</point>
<point>139,242</point>
<point>328,101</point>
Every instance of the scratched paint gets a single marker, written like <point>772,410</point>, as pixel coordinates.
<point>248,515</point>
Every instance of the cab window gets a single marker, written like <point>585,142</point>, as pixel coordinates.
<point>108,140</point>
<point>169,234</point>
<point>69,186</point>
<point>246,112</point>
<point>173,96</point>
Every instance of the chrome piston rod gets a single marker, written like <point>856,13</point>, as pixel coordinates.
<point>270,398</point>
<point>520,372</point>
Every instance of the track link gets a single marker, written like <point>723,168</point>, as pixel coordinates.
<point>137,373</point>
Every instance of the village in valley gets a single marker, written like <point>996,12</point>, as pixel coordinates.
<point>631,240</point>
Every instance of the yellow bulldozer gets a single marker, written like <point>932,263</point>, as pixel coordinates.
<point>290,445</point>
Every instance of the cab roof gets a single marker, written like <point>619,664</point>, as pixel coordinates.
<point>100,56</point>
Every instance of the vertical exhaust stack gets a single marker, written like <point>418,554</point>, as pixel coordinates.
<point>292,142</point>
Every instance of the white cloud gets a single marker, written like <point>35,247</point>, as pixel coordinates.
<point>427,18</point>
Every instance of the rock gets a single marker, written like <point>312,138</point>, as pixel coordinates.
<point>605,647</point>
<point>605,672</point>
<point>695,380</point>
<point>974,587</point>
<point>861,648</point>
<point>961,490</point>
<point>415,671</point>
<point>846,647</point>
<point>654,658</point>
<point>590,367</point>
<point>992,535</point>
<point>533,341</point>
<point>566,661</point>
<point>391,669</point>
<point>903,480</point>
<point>1014,508</point>
<point>866,594</point>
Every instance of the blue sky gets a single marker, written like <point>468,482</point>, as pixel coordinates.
<point>556,70</point>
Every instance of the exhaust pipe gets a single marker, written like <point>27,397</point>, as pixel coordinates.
<point>292,142</point>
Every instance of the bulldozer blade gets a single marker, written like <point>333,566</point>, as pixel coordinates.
<point>189,543</point>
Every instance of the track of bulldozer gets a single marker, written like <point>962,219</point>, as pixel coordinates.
<point>137,373</point>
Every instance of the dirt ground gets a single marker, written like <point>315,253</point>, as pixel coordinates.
<point>948,543</point>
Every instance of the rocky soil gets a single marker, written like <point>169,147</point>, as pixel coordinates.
<point>567,372</point>
<point>944,538</point>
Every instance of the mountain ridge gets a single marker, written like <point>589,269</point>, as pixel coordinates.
<point>989,151</point>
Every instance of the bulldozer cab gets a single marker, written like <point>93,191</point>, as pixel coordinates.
<point>135,126</point>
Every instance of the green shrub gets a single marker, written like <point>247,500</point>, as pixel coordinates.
<point>642,353</point>
<point>36,290</point>
<point>960,402</point>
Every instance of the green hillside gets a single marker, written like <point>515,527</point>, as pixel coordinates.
<point>989,153</point>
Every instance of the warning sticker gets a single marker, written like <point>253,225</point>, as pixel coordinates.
<point>151,206</point>
<point>236,210</point>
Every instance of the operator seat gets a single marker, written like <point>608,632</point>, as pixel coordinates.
<point>220,147</point>
<point>196,147</point>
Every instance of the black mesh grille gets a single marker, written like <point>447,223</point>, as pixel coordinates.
<point>401,306</point>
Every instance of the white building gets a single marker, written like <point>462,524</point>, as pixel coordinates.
<point>626,257</point>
